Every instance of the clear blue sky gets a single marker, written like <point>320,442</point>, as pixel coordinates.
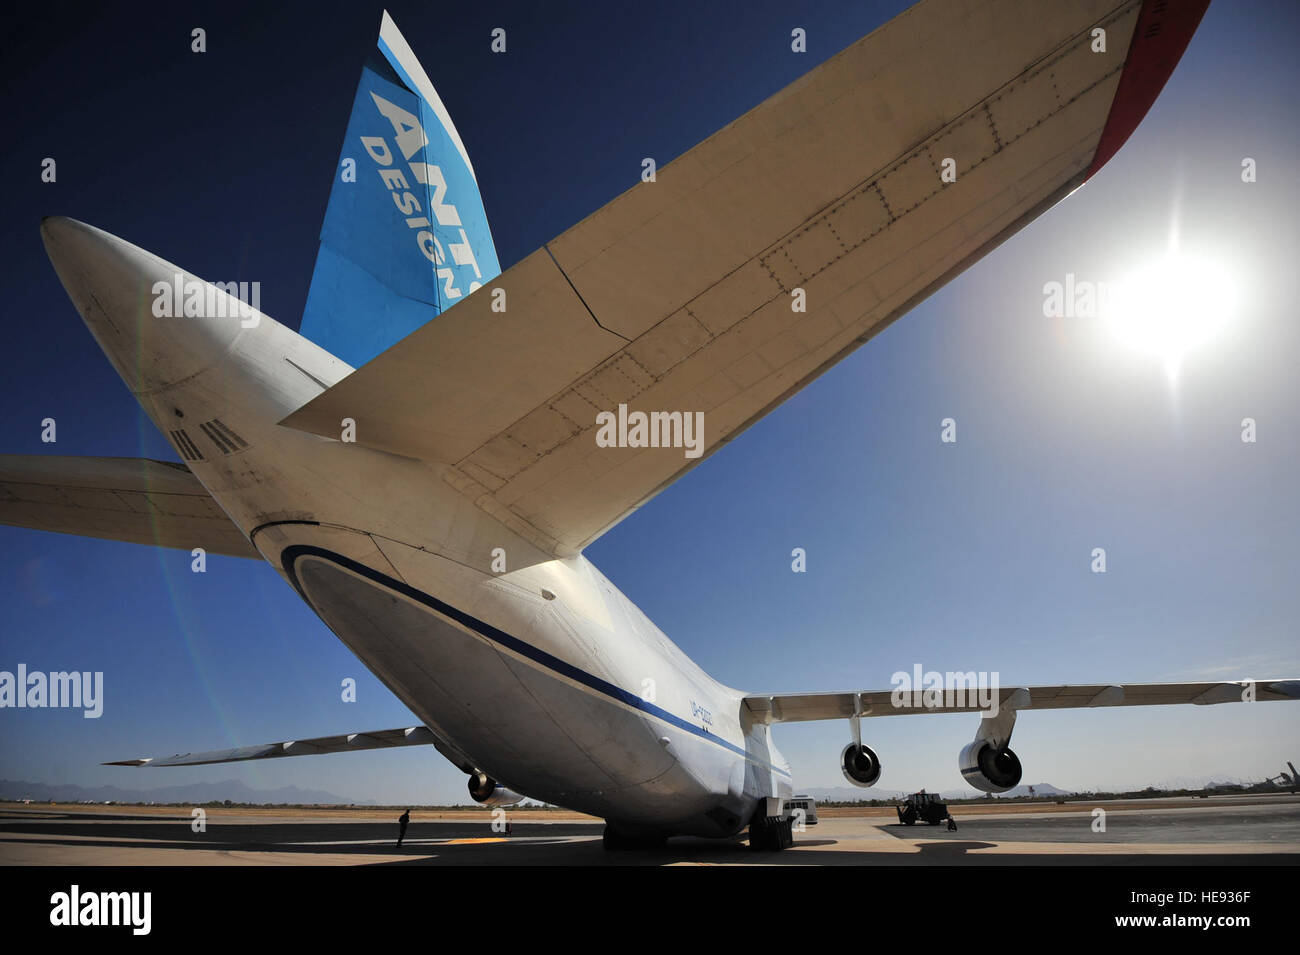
<point>973,556</point>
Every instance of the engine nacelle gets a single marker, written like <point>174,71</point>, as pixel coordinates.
<point>989,769</point>
<point>486,791</point>
<point>860,765</point>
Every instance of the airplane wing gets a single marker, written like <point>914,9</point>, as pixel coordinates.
<point>347,743</point>
<point>126,499</point>
<point>759,258</point>
<point>801,707</point>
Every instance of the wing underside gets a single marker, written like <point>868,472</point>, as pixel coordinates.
<point>801,707</point>
<point>137,500</point>
<point>759,258</point>
<point>319,746</point>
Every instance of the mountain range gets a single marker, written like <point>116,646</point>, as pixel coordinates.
<point>192,794</point>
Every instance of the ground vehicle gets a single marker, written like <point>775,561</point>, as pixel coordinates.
<point>809,806</point>
<point>927,806</point>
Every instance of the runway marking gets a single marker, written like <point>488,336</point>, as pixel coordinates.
<point>463,841</point>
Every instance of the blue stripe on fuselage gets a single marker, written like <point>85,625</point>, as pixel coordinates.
<point>484,629</point>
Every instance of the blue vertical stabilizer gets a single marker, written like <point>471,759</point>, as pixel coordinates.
<point>405,234</point>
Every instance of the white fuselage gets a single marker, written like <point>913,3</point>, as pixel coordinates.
<point>544,676</point>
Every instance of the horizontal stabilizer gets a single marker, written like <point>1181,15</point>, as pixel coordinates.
<point>801,707</point>
<point>559,399</point>
<point>137,500</point>
<point>347,743</point>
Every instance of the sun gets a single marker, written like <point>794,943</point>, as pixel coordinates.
<point>1172,306</point>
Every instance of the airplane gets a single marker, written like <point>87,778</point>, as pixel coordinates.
<point>426,460</point>
<point>1291,780</point>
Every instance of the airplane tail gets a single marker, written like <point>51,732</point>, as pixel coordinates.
<point>405,234</point>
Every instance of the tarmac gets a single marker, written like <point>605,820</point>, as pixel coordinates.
<point>1261,830</point>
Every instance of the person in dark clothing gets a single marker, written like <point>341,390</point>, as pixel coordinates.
<point>403,821</point>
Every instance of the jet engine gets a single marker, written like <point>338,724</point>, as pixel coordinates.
<point>988,768</point>
<point>485,790</point>
<point>860,765</point>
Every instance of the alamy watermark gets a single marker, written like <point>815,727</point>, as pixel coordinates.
<point>932,690</point>
<point>55,690</point>
<point>654,429</point>
<point>192,298</point>
<point>77,907</point>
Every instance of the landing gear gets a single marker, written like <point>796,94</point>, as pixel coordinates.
<point>770,835</point>
<point>616,839</point>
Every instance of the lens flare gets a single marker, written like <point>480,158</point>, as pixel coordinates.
<point>1171,307</point>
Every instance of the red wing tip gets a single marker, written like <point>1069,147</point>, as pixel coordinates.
<point>1163,30</point>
